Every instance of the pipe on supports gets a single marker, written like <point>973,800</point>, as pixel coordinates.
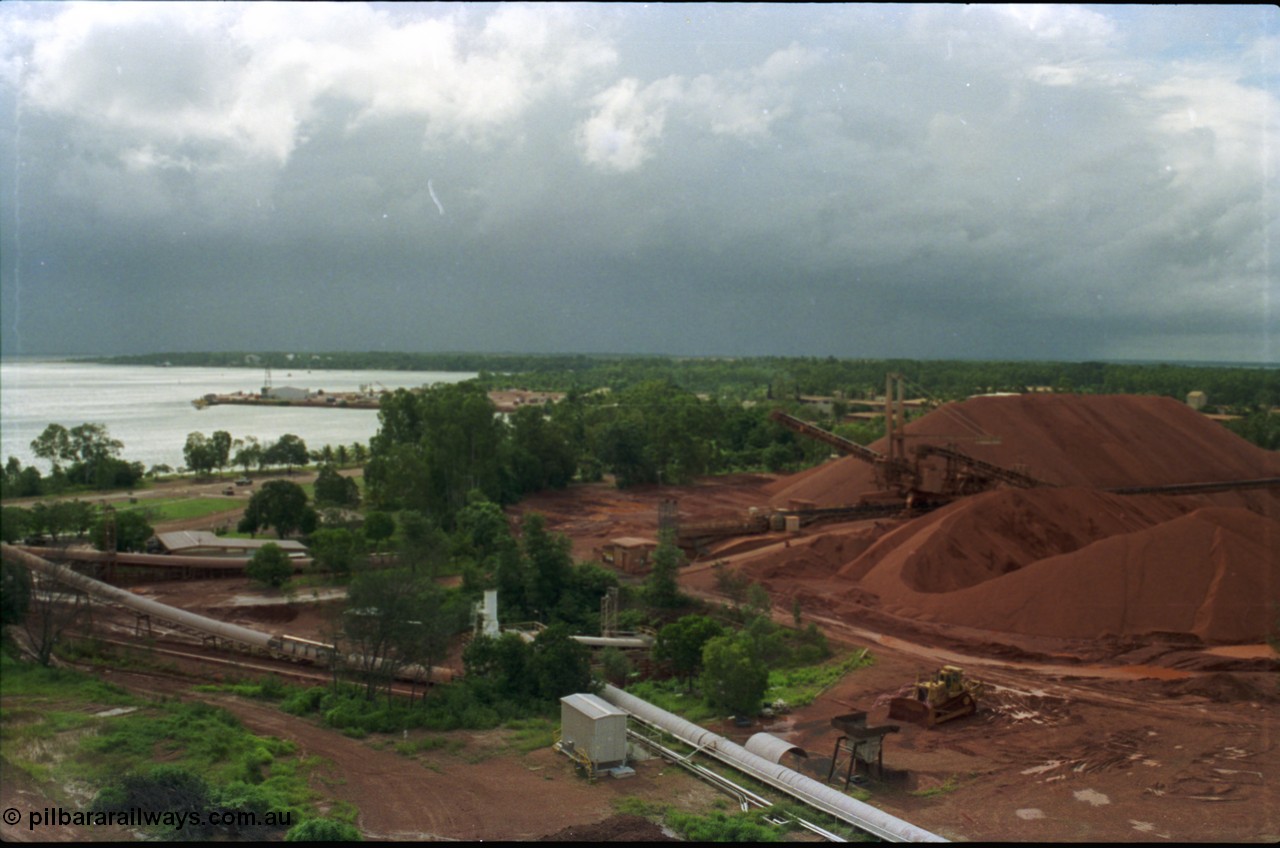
<point>818,795</point>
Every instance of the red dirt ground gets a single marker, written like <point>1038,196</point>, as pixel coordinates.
<point>1124,636</point>
<point>1130,692</point>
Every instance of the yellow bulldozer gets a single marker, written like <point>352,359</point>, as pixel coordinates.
<point>944,696</point>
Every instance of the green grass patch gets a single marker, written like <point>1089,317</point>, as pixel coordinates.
<point>36,685</point>
<point>531,734</point>
<point>632,806</point>
<point>723,827</point>
<point>799,687</point>
<point>62,729</point>
<point>671,696</point>
<point>421,744</point>
<point>951,784</point>
<point>181,509</point>
<point>266,688</point>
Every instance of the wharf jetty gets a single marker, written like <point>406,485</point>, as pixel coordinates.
<point>504,400</point>
<point>317,400</point>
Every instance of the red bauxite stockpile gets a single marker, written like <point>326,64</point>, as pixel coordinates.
<point>1098,441</point>
<point>1067,560</point>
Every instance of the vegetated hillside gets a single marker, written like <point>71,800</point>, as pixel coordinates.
<point>1065,560</point>
<point>1098,441</point>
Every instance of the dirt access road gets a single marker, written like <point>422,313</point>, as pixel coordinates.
<point>476,787</point>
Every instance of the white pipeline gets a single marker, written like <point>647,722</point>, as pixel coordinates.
<point>280,644</point>
<point>817,795</point>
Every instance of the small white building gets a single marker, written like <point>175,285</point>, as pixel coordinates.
<point>593,730</point>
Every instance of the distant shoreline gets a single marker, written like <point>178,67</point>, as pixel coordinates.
<point>338,360</point>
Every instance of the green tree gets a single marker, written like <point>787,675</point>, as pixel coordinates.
<point>46,518</point>
<point>766,640</point>
<point>80,515</point>
<point>662,589</point>
<point>281,504</point>
<point>423,546</point>
<point>57,518</point>
<point>51,612</point>
<point>380,606</point>
<point>733,679</point>
<point>542,455</point>
<point>550,563</point>
<point>270,565</point>
<point>334,550</point>
<point>334,489</point>
<point>622,449</point>
<point>132,530</point>
<point>221,443</point>
<point>248,453</point>
<point>15,522</point>
<point>482,528</point>
<point>289,450</point>
<point>758,601</point>
<point>1260,428</point>
<point>54,445</point>
<point>200,455</point>
<point>680,643</point>
<point>561,664</point>
<point>505,662</point>
<point>378,527</point>
<point>433,447</point>
<point>730,582</point>
<point>93,454</point>
<point>20,482</point>
<point>436,618</point>
<point>614,666</point>
<point>657,432</point>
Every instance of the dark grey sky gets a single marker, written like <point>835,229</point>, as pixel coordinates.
<point>932,181</point>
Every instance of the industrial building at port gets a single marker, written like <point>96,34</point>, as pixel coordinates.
<point>504,400</point>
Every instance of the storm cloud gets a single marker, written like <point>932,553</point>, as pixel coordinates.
<point>931,181</point>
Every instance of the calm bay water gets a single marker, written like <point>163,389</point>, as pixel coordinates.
<point>149,408</point>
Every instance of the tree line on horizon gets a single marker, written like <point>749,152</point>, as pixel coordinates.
<point>1230,388</point>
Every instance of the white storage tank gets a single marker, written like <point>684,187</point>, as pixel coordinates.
<point>592,726</point>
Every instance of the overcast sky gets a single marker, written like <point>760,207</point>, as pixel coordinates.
<point>936,181</point>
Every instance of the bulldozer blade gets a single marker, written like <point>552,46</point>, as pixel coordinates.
<point>909,709</point>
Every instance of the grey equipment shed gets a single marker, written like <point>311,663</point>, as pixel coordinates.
<point>593,730</point>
